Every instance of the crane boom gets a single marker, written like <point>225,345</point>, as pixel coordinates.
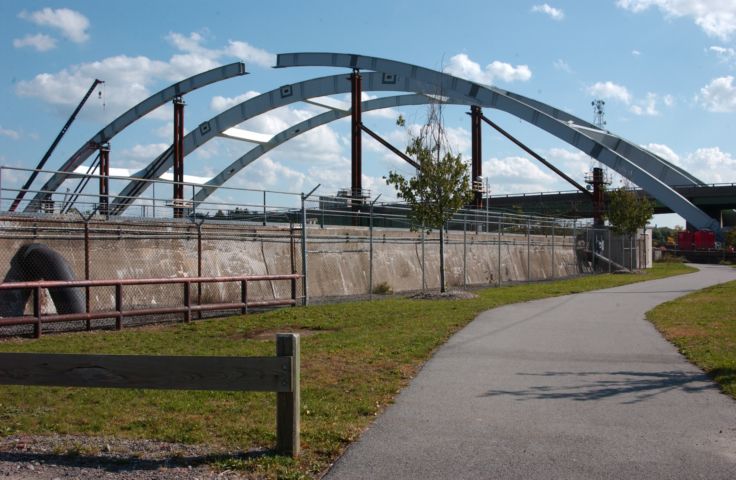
<point>51,149</point>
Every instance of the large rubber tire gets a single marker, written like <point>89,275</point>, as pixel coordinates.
<point>39,262</point>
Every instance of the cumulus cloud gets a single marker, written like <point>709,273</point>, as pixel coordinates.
<point>717,18</point>
<point>129,79</point>
<point>41,42</point>
<point>249,53</point>
<point>663,151</point>
<point>70,23</point>
<point>515,174</point>
<point>647,107</point>
<point>6,132</point>
<point>610,90</point>
<point>552,12</point>
<point>462,66</point>
<point>719,95</point>
<point>220,104</point>
<point>710,164</point>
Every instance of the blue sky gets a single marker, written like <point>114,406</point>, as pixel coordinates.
<point>664,67</point>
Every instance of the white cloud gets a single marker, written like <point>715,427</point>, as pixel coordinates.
<point>6,132</point>
<point>719,95</point>
<point>462,66</point>
<point>647,107</point>
<point>41,42</point>
<point>552,12</point>
<point>127,79</point>
<point>668,100</point>
<point>220,104</point>
<point>249,53</point>
<point>515,174</point>
<point>710,164</point>
<point>72,24</point>
<point>610,90</point>
<point>664,151</point>
<point>724,54</point>
<point>562,65</point>
<point>636,53</point>
<point>717,18</point>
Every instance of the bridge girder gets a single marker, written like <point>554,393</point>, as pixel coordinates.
<point>126,119</point>
<point>545,117</point>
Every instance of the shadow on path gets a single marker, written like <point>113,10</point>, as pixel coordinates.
<point>632,387</point>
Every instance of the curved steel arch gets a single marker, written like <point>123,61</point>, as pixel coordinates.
<point>492,97</point>
<point>667,172</point>
<point>123,121</point>
<point>295,130</point>
<point>279,97</point>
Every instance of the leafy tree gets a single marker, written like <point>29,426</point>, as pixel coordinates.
<point>627,212</point>
<point>440,187</point>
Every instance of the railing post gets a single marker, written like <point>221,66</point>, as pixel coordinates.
<point>465,250</point>
<point>119,306</point>
<point>244,296</point>
<point>424,275</point>
<point>187,302</point>
<point>37,311</point>
<point>288,403</point>
<point>265,214</point>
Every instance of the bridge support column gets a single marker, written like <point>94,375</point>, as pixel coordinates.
<point>356,171</point>
<point>104,178</point>
<point>599,204</point>
<point>178,197</point>
<point>476,170</point>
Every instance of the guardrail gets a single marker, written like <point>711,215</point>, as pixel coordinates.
<point>38,318</point>
<point>280,374</point>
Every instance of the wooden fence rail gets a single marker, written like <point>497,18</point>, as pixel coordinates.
<point>278,374</point>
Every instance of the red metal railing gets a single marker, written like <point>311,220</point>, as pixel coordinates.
<point>38,318</point>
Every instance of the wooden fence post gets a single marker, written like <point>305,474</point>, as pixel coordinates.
<point>288,403</point>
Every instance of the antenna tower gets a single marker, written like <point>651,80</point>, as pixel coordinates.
<point>599,113</point>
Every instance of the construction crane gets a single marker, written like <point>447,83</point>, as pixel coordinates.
<point>51,149</point>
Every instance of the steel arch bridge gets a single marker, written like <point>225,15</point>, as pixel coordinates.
<point>649,171</point>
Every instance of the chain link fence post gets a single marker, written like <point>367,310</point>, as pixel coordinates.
<point>465,250</point>
<point>500,226</point>
<point>528,249</point>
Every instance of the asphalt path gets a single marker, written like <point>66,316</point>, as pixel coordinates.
<point>573,387</point>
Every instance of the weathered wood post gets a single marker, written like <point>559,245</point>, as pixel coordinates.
<point>288,403</point>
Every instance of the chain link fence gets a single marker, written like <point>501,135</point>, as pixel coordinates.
<point>344,247</point>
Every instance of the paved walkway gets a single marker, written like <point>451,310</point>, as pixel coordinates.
<point>574,387</point>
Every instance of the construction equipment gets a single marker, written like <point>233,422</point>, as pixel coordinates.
<point>51,149</point>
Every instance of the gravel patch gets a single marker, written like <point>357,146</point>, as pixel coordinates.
<point>457,295</point>
<point>91,458</point>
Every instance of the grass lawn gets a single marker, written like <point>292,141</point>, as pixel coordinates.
<point>703,326</point>
<point>355,359</point>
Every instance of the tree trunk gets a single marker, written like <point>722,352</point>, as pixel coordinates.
<point>442,259</point>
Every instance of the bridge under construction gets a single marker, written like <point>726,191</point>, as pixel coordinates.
<point>672,188</point>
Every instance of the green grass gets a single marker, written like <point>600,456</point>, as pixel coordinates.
<point>703,326</point>
<point>357,357</point>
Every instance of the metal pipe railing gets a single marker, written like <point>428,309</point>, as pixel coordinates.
<point>38,318</point>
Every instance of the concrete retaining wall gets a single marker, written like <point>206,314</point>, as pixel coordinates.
<point>338,259</point>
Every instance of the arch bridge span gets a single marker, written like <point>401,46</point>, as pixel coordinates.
<point>652,173</point>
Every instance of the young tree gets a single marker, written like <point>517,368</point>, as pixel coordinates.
<point>441,185</point>
<point>627,212</point>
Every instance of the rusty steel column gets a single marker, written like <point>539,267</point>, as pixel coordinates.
<point>356,185</point>
<point>599,205</point>
<point>104,178</point>
<point>178,157</point>
<point>476,169</point>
